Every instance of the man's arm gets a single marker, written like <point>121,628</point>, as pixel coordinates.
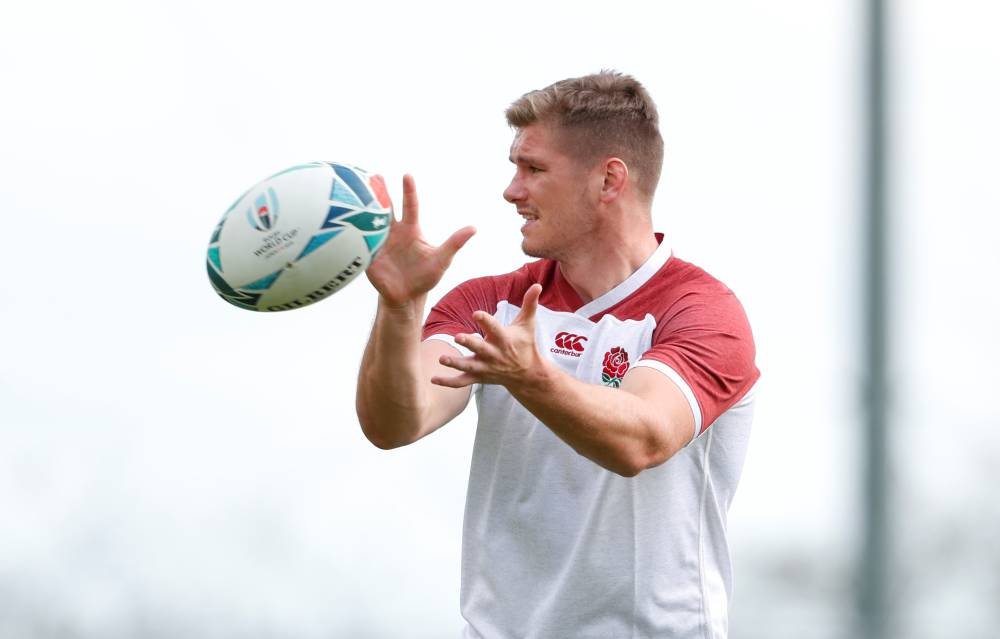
<point>626,430</point>
<point>396,402</point>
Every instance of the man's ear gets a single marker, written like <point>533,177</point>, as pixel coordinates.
<point>615,180</point>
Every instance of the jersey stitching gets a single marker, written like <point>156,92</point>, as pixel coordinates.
<point>635,562</point>
<point>706,607</point>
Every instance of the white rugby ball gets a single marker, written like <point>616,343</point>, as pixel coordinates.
<point>299,236</point>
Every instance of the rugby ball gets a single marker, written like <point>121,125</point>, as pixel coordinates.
<point>299,236</point>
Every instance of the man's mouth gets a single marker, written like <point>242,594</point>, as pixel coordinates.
<point>528,221</point>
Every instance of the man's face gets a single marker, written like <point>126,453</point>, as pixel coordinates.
<point>549,190</point>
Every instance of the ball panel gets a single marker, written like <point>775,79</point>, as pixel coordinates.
<point>328,269</point>
<point>354,182</point>
<point>341,193</point>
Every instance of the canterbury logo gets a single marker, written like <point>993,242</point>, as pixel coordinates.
<point>570,342</point>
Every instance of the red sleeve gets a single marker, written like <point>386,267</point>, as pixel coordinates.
<point>707,341</point>
<point>453,313</point>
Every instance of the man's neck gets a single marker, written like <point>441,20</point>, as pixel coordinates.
<point>594,271</point>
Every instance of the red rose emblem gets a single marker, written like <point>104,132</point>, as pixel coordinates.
<point>615,366</point>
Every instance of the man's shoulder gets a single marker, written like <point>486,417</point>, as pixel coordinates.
<point>699,303</point>
<point>678,285</point>
<point>680,275</point>
<point>453,311</point>
<point>510,287</point>
<point>539,271</point>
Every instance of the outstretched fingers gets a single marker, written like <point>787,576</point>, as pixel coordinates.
<point>529,305</point>
<point>452,245</point>
<point>411,206</point>
<point>491,326</point>
<point>466,366</point>
<point>458,381</point>
<point>474,343</point>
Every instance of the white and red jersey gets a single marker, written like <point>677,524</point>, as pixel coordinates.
<point>554,545</point>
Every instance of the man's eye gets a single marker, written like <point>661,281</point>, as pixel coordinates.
<point>534,169</point>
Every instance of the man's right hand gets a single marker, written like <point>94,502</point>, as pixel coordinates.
<point>407,267</point>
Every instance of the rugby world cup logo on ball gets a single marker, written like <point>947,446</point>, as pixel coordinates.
<point>299,236</point>
<point>264,212</point>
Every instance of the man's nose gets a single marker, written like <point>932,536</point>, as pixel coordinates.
<point>514,191</point>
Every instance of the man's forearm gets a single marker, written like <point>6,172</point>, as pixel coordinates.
<point>391,400</point>
<point>610,426</point>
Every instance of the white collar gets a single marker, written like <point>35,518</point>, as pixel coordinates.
<point>631,284</point>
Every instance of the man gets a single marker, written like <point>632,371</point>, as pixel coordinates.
<point>613,381</point>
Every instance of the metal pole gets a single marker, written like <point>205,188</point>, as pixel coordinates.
<point>874,568</point>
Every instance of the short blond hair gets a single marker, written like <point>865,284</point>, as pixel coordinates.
<point>606,114</point>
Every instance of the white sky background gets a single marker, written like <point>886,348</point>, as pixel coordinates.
<point>166,458</point>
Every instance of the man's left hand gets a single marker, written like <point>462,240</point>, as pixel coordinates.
<point>507,356</point>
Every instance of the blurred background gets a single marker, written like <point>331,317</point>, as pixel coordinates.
<point>172,466</point>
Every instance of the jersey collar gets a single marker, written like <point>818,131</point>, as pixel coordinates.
<point>632,283</point>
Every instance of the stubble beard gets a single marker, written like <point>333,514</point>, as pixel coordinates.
<point>581,226</point>
<point>540,250</point>
<point>540,253</point>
